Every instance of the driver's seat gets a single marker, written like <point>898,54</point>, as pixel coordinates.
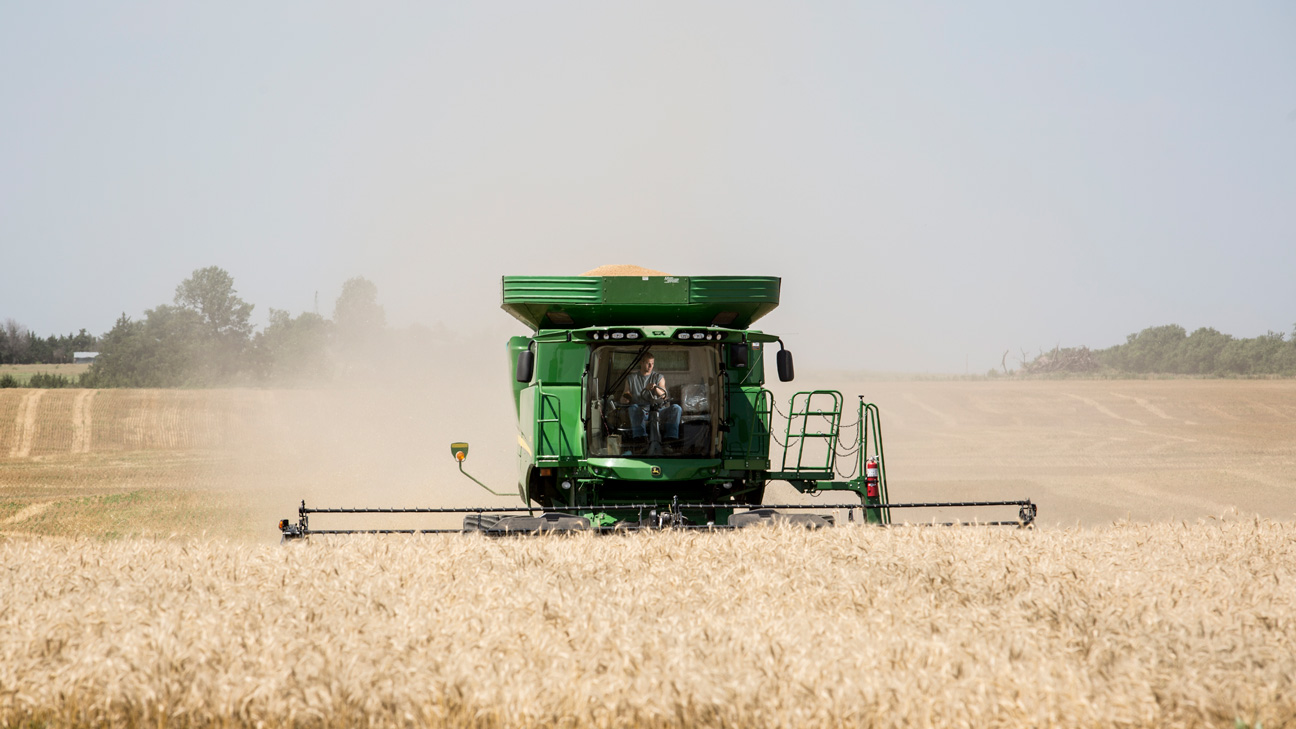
<point>693,402</point>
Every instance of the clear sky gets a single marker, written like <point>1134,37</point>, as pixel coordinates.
<point>935,183</point>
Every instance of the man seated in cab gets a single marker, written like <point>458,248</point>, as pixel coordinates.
<point>642,388</point>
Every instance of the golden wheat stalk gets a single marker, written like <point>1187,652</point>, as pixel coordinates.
<point>1136,625</point>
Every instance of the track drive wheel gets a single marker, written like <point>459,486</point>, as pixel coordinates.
<point>757,517</point>
<point>480,522</point>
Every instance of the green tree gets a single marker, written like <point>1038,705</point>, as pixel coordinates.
<point>1200,353</point>
<point>293,351</point>
<point>223,328</point>
<point>210,292</point>
<point>164,350</point>
<point>119,363</point>
<point>359,319</point>
<point>1152,350</point>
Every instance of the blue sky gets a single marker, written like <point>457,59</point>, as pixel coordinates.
<point>935,183</point>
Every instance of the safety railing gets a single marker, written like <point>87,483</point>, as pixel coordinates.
<point>551,441</point>
<point>870,452</point>
<point>814,415</point>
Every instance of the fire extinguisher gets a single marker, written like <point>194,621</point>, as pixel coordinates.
<point>871,478</point>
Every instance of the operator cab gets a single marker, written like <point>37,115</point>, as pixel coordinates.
<point>622,423</point>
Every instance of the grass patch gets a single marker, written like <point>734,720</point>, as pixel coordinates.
<point>119,495</point>
<point>22,374</point>
<point>153,513</point>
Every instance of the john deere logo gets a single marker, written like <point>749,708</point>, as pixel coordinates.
<point>656,471</point>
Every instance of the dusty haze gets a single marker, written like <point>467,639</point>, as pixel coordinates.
<point>1088,452</point>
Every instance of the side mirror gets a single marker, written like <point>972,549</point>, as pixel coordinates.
<point>785,370</point>
<point>525,366</point>
<point>459,451</point>
<point>738,356</point>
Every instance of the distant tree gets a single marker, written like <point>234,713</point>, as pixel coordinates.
<point>293,351</point>
<point>1169,350</point>
<point>359,319</point>
<point>1199,354</point>
<point>82,341</point>
<point>1268,354</point>
<point>222,330</point>
<point>210,292</point>
<point>15,341</point>
<point>121,361</point>
<point>166,349</point>
<point>47,350</point>
<point>1152,350</point>
<point>18,345</point>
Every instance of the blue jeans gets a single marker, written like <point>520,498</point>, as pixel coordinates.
<point>668,417</point>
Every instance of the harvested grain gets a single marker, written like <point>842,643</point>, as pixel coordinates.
<point>623,269</point>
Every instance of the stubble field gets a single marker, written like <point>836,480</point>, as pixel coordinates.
<point>143,585</point>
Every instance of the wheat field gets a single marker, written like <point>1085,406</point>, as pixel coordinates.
<point>143,585</point>
<point>1133,625</point>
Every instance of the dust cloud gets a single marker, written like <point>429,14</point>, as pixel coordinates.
<point>384,443</point>
<point>1087,452</point>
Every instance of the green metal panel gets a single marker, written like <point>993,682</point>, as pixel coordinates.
<point>526,432</point>
<point>572,302</point>
<point>516,345</point>
<point>749,417</point>
<point>650,290</point>
<point>553,289</point>
<point>668,469</point>
<point>760,292</point>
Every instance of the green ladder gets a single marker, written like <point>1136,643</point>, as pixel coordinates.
<point>549,447</point>
<point>814,415</point>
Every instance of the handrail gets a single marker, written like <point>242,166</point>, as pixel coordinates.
<point>871,424</point>
<point>760,432</point>
<point>831,433</point>
<point>545,447</point>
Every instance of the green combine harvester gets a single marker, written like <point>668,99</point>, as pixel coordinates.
<point>641,403</point>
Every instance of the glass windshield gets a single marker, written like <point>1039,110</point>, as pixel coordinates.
<point>659,400</point>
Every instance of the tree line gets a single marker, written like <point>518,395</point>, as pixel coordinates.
<point>20,346</point>
<point>1171,350</point>
<point>205,338</point>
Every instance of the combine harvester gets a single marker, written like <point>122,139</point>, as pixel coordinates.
<point>641,403</point>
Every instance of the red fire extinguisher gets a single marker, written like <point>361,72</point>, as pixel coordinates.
<point>871,478</point>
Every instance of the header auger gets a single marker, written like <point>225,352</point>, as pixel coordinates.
<point>640,403</point>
